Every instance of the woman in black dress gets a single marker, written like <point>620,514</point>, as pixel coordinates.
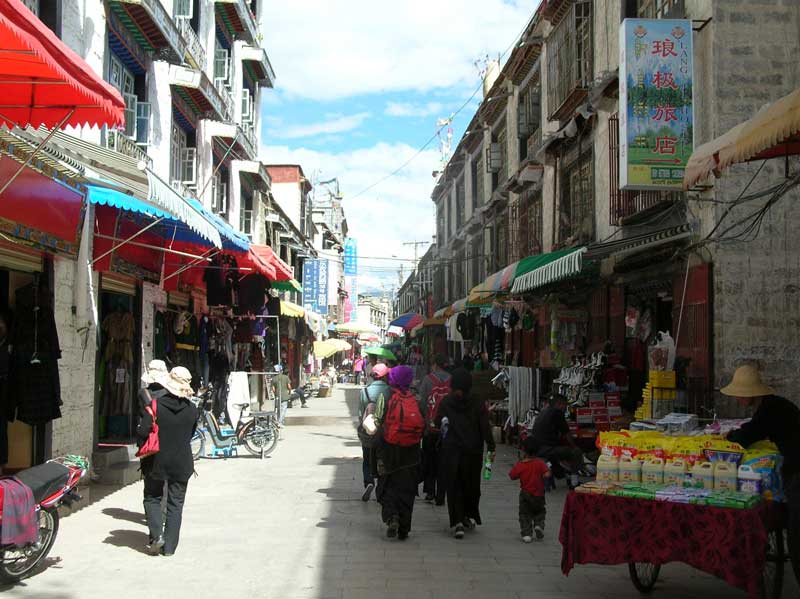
<point>464,422</point>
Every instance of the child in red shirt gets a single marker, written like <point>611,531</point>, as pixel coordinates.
<point>531,473</point>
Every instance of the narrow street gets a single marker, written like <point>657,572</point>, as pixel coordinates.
<point>293,526</point>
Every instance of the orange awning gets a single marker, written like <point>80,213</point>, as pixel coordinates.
<point>43,82</point>
<point>773,132</point>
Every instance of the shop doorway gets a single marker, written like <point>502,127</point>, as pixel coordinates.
<point>118,364</point>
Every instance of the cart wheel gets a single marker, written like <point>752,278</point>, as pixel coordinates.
<point>644,575</point>
<point>772,575</point>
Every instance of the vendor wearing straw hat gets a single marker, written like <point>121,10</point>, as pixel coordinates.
<point>777,419</point>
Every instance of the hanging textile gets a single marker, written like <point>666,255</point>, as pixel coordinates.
<point>118,330</point>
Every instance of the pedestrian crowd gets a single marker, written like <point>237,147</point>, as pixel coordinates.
<point>436,437</point>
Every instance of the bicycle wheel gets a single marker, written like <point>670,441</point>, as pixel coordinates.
<point>198,445</point>
<point>260,439</point>
<point>772,575</point>
<point>644,575</point>
<point>16,564</point>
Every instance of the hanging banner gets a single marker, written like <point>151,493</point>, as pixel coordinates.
<point>656,115</point>
<point>351,301</point>
<point>350,257</point>
<point>315,286</point>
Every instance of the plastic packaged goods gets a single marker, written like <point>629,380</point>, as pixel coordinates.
<point>725,476</point>
<point>608,468</point>
<point>675,472</point>
<point>703,475</point>
<point>749,481</point>
<point>653,471</point>
<point>630,470</point>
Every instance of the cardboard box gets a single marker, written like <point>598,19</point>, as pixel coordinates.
<point>597,403</point>
<point>584,415</point>
<point>599,412</point>
<point>613,397</point>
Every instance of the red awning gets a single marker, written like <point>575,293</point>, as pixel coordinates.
<point>40,210</point>
<point>257,264</point>
<point>42,80</point>
<point>283,272</point>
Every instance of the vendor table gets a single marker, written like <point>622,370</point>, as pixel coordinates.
<point>732,544</point>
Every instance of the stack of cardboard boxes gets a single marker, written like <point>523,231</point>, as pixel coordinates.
<point>658,397</point>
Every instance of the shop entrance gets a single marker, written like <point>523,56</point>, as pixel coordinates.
<point>118,362</point>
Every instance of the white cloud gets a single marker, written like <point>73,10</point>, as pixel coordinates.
<point>383,219</point>
<point>335,124</point>
<point>328,50</point>
<point>404,109</point>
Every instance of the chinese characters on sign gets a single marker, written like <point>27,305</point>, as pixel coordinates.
<point>350,257</point>
<point>656,109</point>
<point>315,286</point>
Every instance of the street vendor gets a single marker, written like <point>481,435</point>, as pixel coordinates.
<point>778,420</point>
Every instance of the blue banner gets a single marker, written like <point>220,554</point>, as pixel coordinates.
<point>350,257</point>
<point>311,285</point>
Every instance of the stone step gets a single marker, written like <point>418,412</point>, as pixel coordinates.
<point>104,457</point>
<point>119,474</point>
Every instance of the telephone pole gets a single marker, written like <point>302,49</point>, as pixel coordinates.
<point>416,245</point>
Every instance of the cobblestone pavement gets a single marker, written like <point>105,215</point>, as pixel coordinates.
<point>293,526</point>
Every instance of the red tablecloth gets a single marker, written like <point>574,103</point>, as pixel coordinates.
<point>728,543</point>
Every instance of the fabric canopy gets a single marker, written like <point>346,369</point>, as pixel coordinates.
<point>42,80</point>
<point>407,322</point>
<point>434,322</point>
<point>356,327</point>
<point>283,272</point>
<point>292,310</point>
<point>339,344</point>
<point>288,285</point>
<point>496,283</point>
<point>325,349</point>
<point>774,131</point>
<point>537,271</point>
<point>458,306</point>
<point>231,238</point>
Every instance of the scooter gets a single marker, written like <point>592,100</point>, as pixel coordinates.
<point>258,432</point>
<point>52,483</point>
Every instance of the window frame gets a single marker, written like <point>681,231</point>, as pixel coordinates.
<point>581,198</point>
<point>570,56</point>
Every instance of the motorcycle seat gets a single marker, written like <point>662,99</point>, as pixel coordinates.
<point>44,480</point>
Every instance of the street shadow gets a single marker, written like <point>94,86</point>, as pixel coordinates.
<point>126,515</point>
<point>45,564</point>
<point>129,539</point>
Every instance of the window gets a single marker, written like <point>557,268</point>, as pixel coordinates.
<point>247,106</point>
<point>502,171</point>
<point>576,223</point>
<point>137,112</point>
<point>501,249</point>
<point>488,252</point>
<point>178,145</point>
<point>475,260</point>
<point>529,118</point>
<point>222,68</point>
<point>660,9</point>
<point>246,216</point>
<point>477,180</point>
<point>219,199</point>
<point>184,9</point>
<point>460,201</point>
<point>441,237</point>
<point>530,217</point>
<point>569,59</point>
<point>473,177</point>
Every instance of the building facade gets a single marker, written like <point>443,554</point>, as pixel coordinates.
<point>537,173</point>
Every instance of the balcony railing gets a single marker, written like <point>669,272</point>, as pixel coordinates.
<point>226,97</point>
<point>249,136</point>
<point>117,141</point>
<point>193,46</point>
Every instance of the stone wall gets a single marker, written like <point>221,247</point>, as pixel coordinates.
<point>756,282</point>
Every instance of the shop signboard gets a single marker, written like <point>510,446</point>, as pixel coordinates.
<point>656,108</point>
<point>351,301</point>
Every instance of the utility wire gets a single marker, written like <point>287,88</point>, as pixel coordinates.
<point>516,41</point>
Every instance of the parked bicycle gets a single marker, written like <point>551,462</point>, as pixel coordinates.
<point>258,432</point>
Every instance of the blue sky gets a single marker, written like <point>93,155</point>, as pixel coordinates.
<point>360,87</point>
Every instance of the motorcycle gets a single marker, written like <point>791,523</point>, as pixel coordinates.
<point>52,483</point>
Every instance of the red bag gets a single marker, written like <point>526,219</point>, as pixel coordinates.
<point>439,391</point>
<point>403,424</point>
<point>150,446</point>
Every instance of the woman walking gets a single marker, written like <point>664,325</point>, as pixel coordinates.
<point>172,466</point>
<point>398,454</point>
<point>464,421</point>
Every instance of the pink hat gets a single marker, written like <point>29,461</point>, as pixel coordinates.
<point>379,371</point>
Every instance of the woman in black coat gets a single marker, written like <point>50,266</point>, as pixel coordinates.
<point>465,431</point>
<point>172,466</point>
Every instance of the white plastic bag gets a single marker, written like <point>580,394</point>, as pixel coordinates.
<point>661,355</point>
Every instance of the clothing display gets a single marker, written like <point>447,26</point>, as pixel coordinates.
<point>520,392</point>
<point>118,330</point>
<point>34,388</point>
<point>222,281</point>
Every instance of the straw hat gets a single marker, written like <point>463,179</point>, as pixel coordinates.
<point>155,369</point>
<point>747,383</point>
<point>177,382</point>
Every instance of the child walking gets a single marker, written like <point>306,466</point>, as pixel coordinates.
<point>531,473</point>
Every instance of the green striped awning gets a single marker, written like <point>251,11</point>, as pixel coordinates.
<point>541,270</point>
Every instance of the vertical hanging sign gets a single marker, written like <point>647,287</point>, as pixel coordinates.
<point>351,279</point>
<point>655,96</point>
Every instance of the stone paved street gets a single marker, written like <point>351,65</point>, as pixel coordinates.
<point>293,526</point>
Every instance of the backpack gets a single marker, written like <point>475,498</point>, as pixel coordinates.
<point>403,423</point>
<point>439,391</point>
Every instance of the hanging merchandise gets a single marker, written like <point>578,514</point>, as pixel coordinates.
<point>34,390</point>
<point>253,294</point>
<point>222,281</point>
<point>118,330</point>
<point>186,344</point>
